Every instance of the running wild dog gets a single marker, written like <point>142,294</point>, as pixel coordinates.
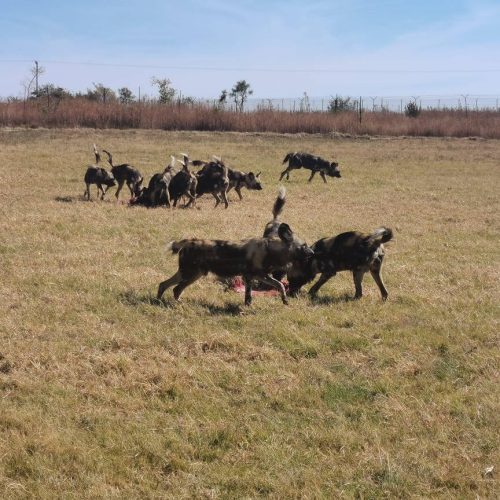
<point>99,176</point>
<point>125,173</point>
<point>254,259</point>
<point>314,163</point>
<point>239,180</point>
<point>351,251</point>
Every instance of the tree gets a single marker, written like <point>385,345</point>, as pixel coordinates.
<point>35,71</point>
<point>125,95</point>
<point>240,92</point>
<point>49,89</point>
<point>100,93</point>
<point>339,103</point>
<point>165,90</point>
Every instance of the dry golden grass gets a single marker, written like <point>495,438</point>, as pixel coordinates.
<point>105,393</point>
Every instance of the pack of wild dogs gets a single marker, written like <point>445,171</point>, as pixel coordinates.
<point>268,259</point>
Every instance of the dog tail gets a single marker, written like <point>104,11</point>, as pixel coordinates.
<point>381,235</point>
<point>279,203</point>
<point>176,246</point>
<point>288,157</point>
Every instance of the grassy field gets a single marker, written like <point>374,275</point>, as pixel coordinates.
<point>105,393</point>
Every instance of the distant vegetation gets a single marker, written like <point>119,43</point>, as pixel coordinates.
<point>102,108</point>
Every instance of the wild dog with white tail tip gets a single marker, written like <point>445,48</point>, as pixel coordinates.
<point>351,251</point>
<point>254,259</point>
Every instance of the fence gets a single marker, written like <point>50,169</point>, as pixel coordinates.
<point>378,103</point>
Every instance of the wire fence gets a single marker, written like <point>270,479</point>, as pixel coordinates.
<point>396,104</point>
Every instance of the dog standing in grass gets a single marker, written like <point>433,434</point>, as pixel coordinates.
<point>313,163</point>
<point>254,259</point>
<point>351,251</point>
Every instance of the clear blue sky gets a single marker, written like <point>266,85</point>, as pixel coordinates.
<point>282,47</point>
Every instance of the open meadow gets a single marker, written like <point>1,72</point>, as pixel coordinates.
<point>107,393</point>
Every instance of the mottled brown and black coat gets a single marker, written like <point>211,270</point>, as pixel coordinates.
<point>125,174</point>
<point>252,259</point>
<point>351,251</point>
<point>313,163</point>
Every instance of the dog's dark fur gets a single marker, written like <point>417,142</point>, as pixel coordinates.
<point>125,174</point>
<point>239,180</point>
<point>254,259</point>
<point>183,183</point>
<point>351,251</point>
<point>99,176</point>
<point>316,164</point>
<point>157,193</point>
<point>213,179</point>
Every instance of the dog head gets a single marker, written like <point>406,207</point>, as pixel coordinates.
<point>298,248</point>
<point>334,170</point>
<point>108,178</point>
<point>252,181</point>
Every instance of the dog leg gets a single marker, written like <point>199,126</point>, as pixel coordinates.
<point>185,282</point>
<point>217,199</point>
<point>120,185</point>
<point>313,173</point>
<point>358,279</point>
<point>86,193</point>
<point>224,198</point>
<point>269,280</point>
<point>323,176</point>
<point>238,191</point>
<point>285,172</point>
<point>176,278</point>
<point>378,279</point>
<point>322,280</point>
<point>248,290</point>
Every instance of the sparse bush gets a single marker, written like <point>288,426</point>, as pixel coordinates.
<point>339,103</point>
<point>412,109</point>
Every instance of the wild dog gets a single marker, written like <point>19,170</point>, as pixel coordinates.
<point>157,192</point>
<point>239,180</point>
<point>351,251</point>
<point>213,179</point>
<point>183,183</point>
<point>254,259</point>
<point>99,176</point>
<point>298,160</point>
<point>125,173</point>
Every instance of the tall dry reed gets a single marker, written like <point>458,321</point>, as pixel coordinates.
<point>83,113</point>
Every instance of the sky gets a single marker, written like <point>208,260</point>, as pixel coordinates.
<point>283,48</point>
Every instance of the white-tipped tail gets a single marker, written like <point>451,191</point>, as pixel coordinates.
<point>281,192</point>
<point>169,246</point>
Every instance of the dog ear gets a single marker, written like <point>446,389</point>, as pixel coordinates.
<point>285,233</point>
<point>258,175</point>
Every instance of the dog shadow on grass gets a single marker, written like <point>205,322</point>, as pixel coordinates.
<point>329,300</point>
<point>134,299</point>
<point>227,309</point>
<point>68,199</point>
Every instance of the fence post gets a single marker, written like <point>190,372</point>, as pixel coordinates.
<point>360,108</point>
